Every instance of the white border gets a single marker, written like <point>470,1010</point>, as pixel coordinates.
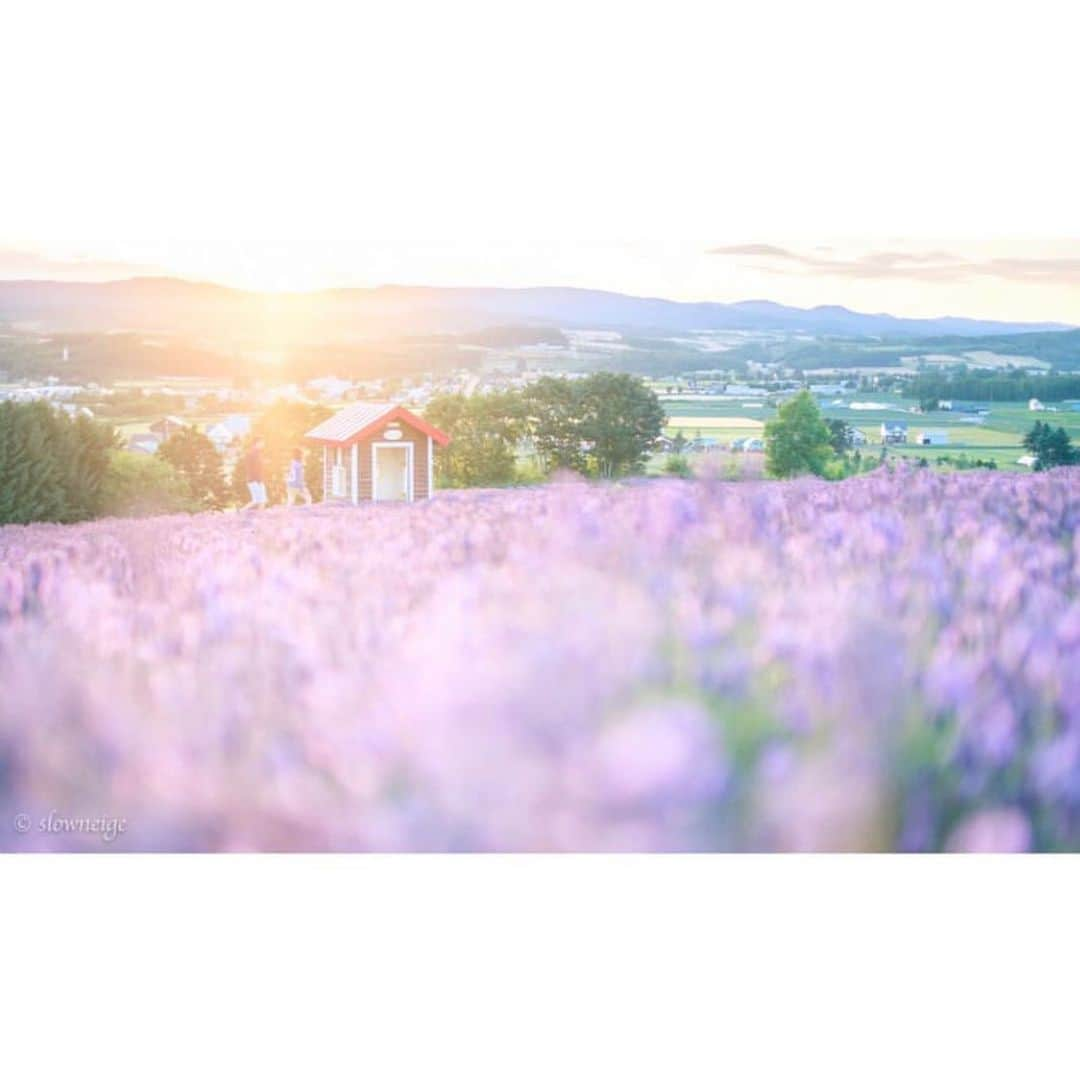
<point>410,493</point>
<point>642,966</point>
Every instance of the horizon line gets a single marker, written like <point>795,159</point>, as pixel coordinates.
<point>1055,324</point>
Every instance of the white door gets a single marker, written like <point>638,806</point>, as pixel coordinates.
<point>391,473</point>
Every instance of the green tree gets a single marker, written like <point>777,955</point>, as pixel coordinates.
<point>553,414</point>
<point>282,428</point>
<point>841,436</point>
<point>484,432</point>
<point>621,420</point>
<point>51,465</point>
<point>196,460</point>
<point>138,485</point>
<point>798,439</point>
<point>1050,446</point>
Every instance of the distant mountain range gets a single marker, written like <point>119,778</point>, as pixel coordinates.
<point>195,309</point>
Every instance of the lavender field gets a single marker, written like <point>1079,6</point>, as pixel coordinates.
<point>888,663</point>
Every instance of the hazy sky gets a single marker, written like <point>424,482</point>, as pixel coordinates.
<point>916,158</point>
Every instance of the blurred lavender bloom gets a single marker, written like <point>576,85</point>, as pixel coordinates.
<point>1004,830</point>
<point>661,665</point>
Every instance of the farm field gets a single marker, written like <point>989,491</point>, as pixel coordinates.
<point>137,425</point>
<point>724,428</point>
<point>887,663</point>
<point>998,438</point>
<point>733,423</point>
<point>1004,456</point>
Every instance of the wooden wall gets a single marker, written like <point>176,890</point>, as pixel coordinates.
<point>420,461</point>
<point>409,434</point>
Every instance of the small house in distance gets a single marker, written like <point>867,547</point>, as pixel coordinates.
<point>377,451</point>
<point>228,431</point>
<point>968,408</point>
<point>145,442</point>
<point>933,438</point>
<point>167,426</point>
<point>748,444</point>
<point>894,431</point>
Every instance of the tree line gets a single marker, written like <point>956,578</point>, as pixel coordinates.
<point>52,466</point>
<point>55,467</point>
<point>991,386</point>
<point>604,425</point>
<point>1050,446</point>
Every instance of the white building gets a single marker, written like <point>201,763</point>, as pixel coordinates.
<point>233,428</point>
<point>52,392</point>
<point>143,443</point>
<point>330,386</point>
<point>1035,405</point>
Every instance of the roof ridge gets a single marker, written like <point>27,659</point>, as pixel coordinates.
<point>350,423</point>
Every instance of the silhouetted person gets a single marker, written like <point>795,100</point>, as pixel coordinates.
<point>295,484</point>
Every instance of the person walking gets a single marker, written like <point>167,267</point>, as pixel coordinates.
<point>255,477</point>
<point>295,484</point>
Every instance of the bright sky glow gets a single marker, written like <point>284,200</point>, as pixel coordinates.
<point>303,145</point>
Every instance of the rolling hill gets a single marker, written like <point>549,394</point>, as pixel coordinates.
<point>171,305</point>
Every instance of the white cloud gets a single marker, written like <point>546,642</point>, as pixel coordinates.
<point>929,266</point>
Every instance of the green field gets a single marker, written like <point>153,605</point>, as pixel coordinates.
<point>137,425</point>
<point>997,438</point>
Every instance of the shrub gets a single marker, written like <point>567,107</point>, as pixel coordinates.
<point>677,465</point>
<point>138,485</point>
<point>196,460</point>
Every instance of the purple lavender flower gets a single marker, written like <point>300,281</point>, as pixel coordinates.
<point>891,662</point>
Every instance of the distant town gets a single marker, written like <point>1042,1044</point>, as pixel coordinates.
<point>149,355</point>
<point>708,410</point>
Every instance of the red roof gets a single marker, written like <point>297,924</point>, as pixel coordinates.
<point>366,418</point>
